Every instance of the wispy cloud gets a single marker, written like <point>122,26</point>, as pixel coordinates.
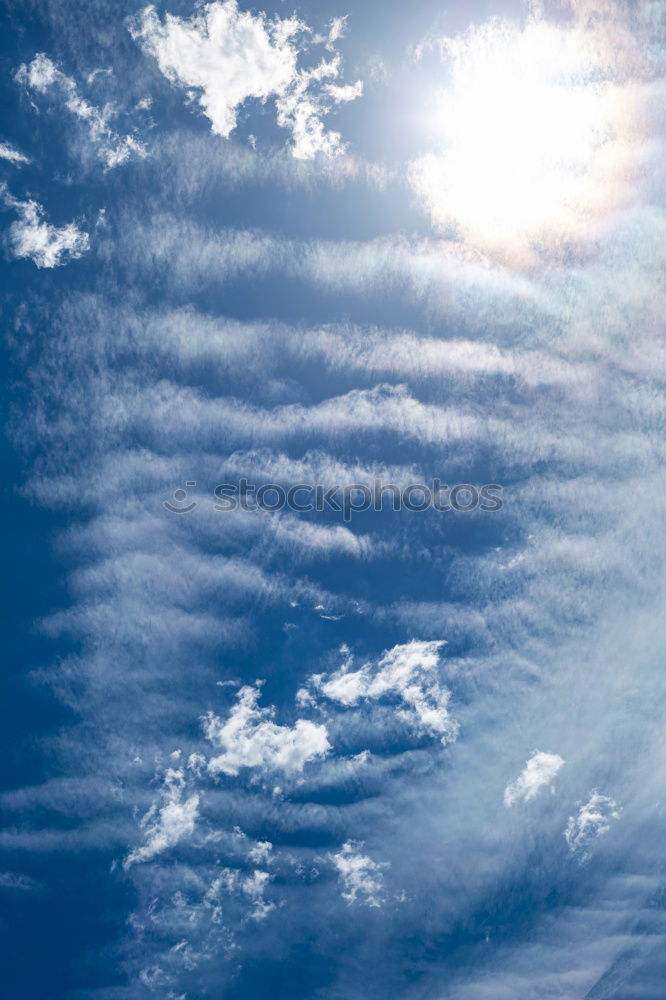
<point>19,883</point>
<point>13,155</point>
<point>42,76</point>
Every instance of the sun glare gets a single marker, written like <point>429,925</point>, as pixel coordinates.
<point>529,134</point>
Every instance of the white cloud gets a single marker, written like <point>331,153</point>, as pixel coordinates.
<point>344,92</point>
<point>260,853</point>
<point>360,876</point>
<point>301,107</point>
<point>407,672</point>
<point>250,738</point>
<point>337,28</point>
<point>32,236</point>
<point>593,820</point>
<point>252,887</point>
<point>9,152</point>
<point>166,825</point>
<point>540,770</point>
<point>228,55</point>
<point>43,76</point>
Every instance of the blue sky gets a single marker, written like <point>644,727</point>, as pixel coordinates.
<point>257,754</point>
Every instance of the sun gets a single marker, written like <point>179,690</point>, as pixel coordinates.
<point>529,134</point>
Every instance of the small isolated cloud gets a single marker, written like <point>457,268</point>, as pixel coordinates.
<point>360,877</point>
<point>250,738</point>
<point>592,821</point>
<point>407,672</point>
<point>18,882</point>
<point>260,853</point>
<point>32,236</point>
<point>42,76</point>
<point>251,887</point>
<point>9,152</point>
<point>167,824</point>
<point>228,56</point>
<point>540,770</point>
<point>254,887</point>
<point>336,29</point>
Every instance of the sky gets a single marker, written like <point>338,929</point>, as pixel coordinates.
<point>396,751</point>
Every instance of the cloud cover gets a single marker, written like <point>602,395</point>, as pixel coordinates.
<point>204,344</point>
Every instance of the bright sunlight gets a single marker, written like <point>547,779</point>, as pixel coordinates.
<point>529,134</point>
